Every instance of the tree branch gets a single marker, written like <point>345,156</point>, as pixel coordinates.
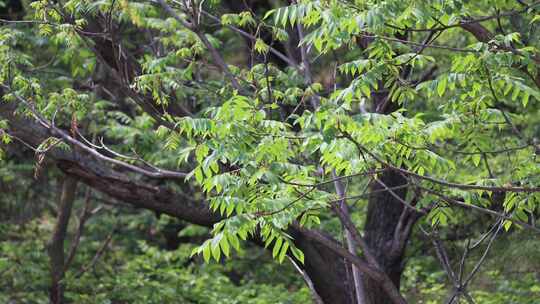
<point>55,247</point>
<point>375,274</point>
<point>218,59</point>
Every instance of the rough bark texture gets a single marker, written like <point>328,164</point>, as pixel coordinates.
<point>383,215</point>
<point>325,269</point>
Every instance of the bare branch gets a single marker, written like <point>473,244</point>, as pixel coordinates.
<point>85,215</point>
<point>159,173</point>
<point>272,50</point>
<point>344,216</point>
<point>483,210</point>
<point>98,255</point>
<point>470,21</point>
<point>484,255</point>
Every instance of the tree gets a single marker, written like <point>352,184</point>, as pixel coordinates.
<point>386,118</point>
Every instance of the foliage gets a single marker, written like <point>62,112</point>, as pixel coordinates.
<point>423,90</point>
<point>136,271</point>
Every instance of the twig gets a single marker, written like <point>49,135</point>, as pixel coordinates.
<point>470,21</point>
<point>316,298</point>
<point>397,197</point>
<point>160,173</point>
<point>96,257</point>
<point>333,179</point>
<point>218,59</point>
<point>482,259</point>
<point>351,237</point>
<point>85,215</point>
<point>439,181</point>
<point>483,210</point>
<point>433,46</point>
<point>252,38</point>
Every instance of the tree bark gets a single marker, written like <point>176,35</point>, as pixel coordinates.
<point>383,215</point>
<point>55,248</point>
<point>325,268</point>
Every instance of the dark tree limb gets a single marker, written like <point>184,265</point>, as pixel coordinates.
<point>55,247</point>
<point>325,268</point>
<point>85,215</point>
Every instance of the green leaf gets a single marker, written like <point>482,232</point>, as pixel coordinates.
<point>525,99</point>
<point>233,239</point>
<point>199,175</point>
<point>216,253</point>
<point>476,159</point>
<point>298,254</point>
<point>441,85</point>
<point>283,252</point>
<point>206,251</point>
<point>224,244</point>
<point>507,224</point>
<point>277,246</point>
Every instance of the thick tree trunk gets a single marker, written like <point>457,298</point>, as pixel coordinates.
<point>384,212</point>
<point>325,269</point>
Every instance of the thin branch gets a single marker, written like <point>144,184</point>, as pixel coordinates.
<point>497,103</point>
<point>351,237</point>
<point>477,208</point>
<point>439,181</point>
<point>96,257</point>
<point>357,236</point>
<point>85,215</point>
<point>218,59</point>
<point>485,235</point>
<point>482,259</point>
<point>367,194</point>
<point>161,173</point>
<point>252,38</point>
<point>27,22</point>
<point>289,205</point>
<point>442,255</point>
<point>427,148</point>
<point>433,46</point>
<point>306,65</point>
<point>469,21</point>
<point>316,298</point>
<point>461,267</point>
<point>397,197</point>
<point>334,179</point>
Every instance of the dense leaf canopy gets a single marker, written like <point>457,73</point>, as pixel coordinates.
<point>395,126</point>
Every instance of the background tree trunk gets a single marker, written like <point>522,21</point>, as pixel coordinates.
<point>55,247</point>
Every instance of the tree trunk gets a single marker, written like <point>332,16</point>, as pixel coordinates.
<point>383,215</point>
<point>325,269</point>
<point>55,247</point>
